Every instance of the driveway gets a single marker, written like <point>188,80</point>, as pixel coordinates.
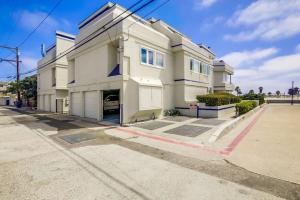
<point>272,146</point>
<point>46,156</point>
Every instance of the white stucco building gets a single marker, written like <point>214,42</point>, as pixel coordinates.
<point>52,76</point>
<point>147,65</point>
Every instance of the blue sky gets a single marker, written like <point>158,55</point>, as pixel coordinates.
<point>261,39</point>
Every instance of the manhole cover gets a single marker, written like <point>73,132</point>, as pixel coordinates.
<point>188,130</point>
<point>76,138</point>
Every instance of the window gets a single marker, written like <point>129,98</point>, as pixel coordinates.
<point>53,76</point>
<point>199,67</point>
<point>144,55</point>
<point>196,66</point>
<point>191,65</point>
<point>225,78</point>
<point>153,58</point>
<point>150,57</point>
<point>159,59</point>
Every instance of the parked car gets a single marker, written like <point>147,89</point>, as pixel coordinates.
<point>111,103</point>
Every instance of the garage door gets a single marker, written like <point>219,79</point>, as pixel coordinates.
<point>76,104</point>
<point>90,104</point>
<point>53,103</point>
<point>41,102</point>
<point>47,103</point>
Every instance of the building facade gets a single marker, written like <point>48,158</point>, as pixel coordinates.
<point>140,68</point>
<point>52,76</point>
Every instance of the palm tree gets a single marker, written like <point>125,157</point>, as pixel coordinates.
<point>238,90</point>
<point>277,92</point>
<point>260,89</point>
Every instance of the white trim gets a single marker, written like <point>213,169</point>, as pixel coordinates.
<point>154,65</point>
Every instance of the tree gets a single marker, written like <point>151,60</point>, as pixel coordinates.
<point>277,92</point>
<point>269,94</point>
<point>260,89</point>
<point>238,90</point>
<point>293,91</point>
<point>251,91</point>
<point>28,87</point>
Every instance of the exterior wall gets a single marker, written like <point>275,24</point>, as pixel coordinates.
<point>53,77</point>
<point>91,64</point>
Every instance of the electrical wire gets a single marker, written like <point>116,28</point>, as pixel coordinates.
<point>38,26</point>
<point>86,40</point>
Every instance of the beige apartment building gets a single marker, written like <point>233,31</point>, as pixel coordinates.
<point>140,68</point>
<point>52,76</point>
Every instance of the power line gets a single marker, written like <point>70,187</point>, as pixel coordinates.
<point>87,39</point>
<point>38,26</point>
<point>155,9</point>
<point>49,13</point>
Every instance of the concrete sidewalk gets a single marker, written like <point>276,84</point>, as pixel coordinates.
<point>272,147</point>
<point>34,166</point>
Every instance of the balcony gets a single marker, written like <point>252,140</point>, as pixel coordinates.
<point>224,87</point>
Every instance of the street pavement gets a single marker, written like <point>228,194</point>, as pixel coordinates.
<point>38,163</point>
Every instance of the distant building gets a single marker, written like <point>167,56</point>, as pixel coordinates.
<point>3,88</point>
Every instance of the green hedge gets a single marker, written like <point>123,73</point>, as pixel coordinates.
<point>245,106</point>
<point>250,96</point>
<point>218,99</point>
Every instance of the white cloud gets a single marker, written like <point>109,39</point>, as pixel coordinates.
<point>204,3</point>
<point>267,20</point>
<point>28,63</point>
<point>297,48</point>
<point>29,20</point>
<point>246,58</point>
<point>273,74</point>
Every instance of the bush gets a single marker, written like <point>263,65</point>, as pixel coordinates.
<point>245,106</point>
<point>252,96</point>
<point>172,112</point>
<point>218,99</point>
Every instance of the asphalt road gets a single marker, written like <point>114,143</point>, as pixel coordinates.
<point>38,162</point>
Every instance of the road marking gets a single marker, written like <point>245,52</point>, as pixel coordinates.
<point>234,143</point>
<point>168,140</point>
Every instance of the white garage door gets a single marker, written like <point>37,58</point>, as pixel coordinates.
<point>41,102</point>
<point>90,104</point>
<point>76,104</point>
<point>53,103</point>
<point>150,97</point>
<point>47,103</point>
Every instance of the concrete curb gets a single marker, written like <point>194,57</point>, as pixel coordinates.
<point>228,126</point>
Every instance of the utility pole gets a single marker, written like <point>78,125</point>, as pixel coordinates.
<point>292,102</point>
<point>17,61</point>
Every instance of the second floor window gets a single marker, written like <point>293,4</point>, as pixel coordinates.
<point>153,58</point>
<point>199,67</point>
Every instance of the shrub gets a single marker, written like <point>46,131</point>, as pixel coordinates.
<point>245,106</point>
<point>252,96</point>
<point>218,99</point>
<point>172,112</point>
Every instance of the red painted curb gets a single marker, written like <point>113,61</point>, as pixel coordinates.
<point>227,150</point>
<point>168,140</point>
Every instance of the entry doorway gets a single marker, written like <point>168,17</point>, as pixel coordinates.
<point>111,106</point>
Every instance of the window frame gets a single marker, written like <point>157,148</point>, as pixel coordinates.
<point>155,52</point>
<point>201,68</point>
